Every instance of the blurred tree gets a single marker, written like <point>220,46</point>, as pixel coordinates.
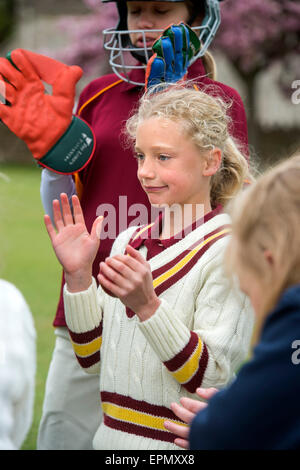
<point>86,42</point>
<point>7,18</point>
<point>256,34</point>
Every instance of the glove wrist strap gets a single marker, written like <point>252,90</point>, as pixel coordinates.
<point>73,150</point>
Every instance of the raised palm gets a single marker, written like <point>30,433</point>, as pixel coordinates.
<point>74,246</point>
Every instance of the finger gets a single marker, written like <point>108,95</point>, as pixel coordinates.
<point>183,443</point>
<point>96,228</point>
<point>57,216</point>
<point>10,73</point>
<point>109,286</point>
<point>113,275</point>
<point>168,54</point>
<point>129,261</point>
<point>49,227</point>
<point>192,405</point>
<point>120,267</point>
<point>182,413</point>
<point>194,43</point>
<point>77,211</point>
<point>65,83</point>
<point>135,254</point>
<point>19,60</point>
<point>177,429</point>
<point>155,72</point>
<point>179,52</point>
<point>206,393</point>
<point>66,210</point>
<point>49,69</point>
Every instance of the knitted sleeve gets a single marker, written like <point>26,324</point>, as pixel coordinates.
<point>208,354</point>
<point>83,312</point>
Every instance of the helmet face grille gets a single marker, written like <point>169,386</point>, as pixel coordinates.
<point>123,52</point>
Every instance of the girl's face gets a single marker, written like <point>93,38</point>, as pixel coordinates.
<point>153,15</point>
<point>171,168</point>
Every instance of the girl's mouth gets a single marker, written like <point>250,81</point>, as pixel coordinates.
<point>148,42</point>
<point>154,189</point>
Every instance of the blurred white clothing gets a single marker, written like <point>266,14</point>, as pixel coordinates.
<point>17,367</point>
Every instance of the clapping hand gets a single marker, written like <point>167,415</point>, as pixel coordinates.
<point>129,278</point>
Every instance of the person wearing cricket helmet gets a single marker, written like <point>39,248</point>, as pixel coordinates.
<point>132,35</point>
<point>180,33</point>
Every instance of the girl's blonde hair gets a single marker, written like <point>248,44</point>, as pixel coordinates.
<point>204,119</point>
<point>266,217</point>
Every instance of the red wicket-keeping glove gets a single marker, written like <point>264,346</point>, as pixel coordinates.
<point>57,140</point>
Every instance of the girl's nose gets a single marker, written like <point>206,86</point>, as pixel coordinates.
<point>145,21</point>
<point>146,170</point>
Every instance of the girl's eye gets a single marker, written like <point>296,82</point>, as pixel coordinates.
<point>139,156</point>
<point>164,157</point>
<point>161,12</point>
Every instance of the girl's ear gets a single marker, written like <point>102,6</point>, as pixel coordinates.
<point>212,162</point>
<point>269,257</point>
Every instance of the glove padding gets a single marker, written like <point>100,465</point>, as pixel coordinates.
<point>173,52</point>
<point>58,140</point>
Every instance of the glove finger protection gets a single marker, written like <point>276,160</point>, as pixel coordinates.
<point>174,49</point>
<point>57,139</point>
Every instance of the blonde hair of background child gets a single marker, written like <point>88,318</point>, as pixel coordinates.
<point>266,217</point>
<point>204,119</point>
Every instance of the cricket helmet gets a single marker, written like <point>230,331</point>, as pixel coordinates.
<point>117,40</point>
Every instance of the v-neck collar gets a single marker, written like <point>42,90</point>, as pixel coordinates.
<point>150,234</point>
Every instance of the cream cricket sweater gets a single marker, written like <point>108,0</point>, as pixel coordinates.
<point>199,335</point>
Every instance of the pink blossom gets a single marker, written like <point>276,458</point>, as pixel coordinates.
<point>255,33</point>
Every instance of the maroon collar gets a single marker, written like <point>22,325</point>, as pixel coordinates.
<point>154,230</point>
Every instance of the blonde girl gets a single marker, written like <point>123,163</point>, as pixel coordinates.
<point>260,410</point>
<point>164,320</point>
<point>105,104</point>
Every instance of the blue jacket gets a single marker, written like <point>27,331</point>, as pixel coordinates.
<point>261,409</point>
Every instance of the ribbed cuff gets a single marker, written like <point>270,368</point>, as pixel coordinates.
<point>82,310</point>
<point>165,332</point>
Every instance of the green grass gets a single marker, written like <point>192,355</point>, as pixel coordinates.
<point>27,260</point>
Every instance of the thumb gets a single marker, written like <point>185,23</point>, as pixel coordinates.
<point>96,228</point>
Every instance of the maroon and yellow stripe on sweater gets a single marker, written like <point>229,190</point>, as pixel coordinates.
<point>165,276</point>
<point>87,346</point>
<point>137,417</point>
<point>168,274</point>
<point>189,365</point>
